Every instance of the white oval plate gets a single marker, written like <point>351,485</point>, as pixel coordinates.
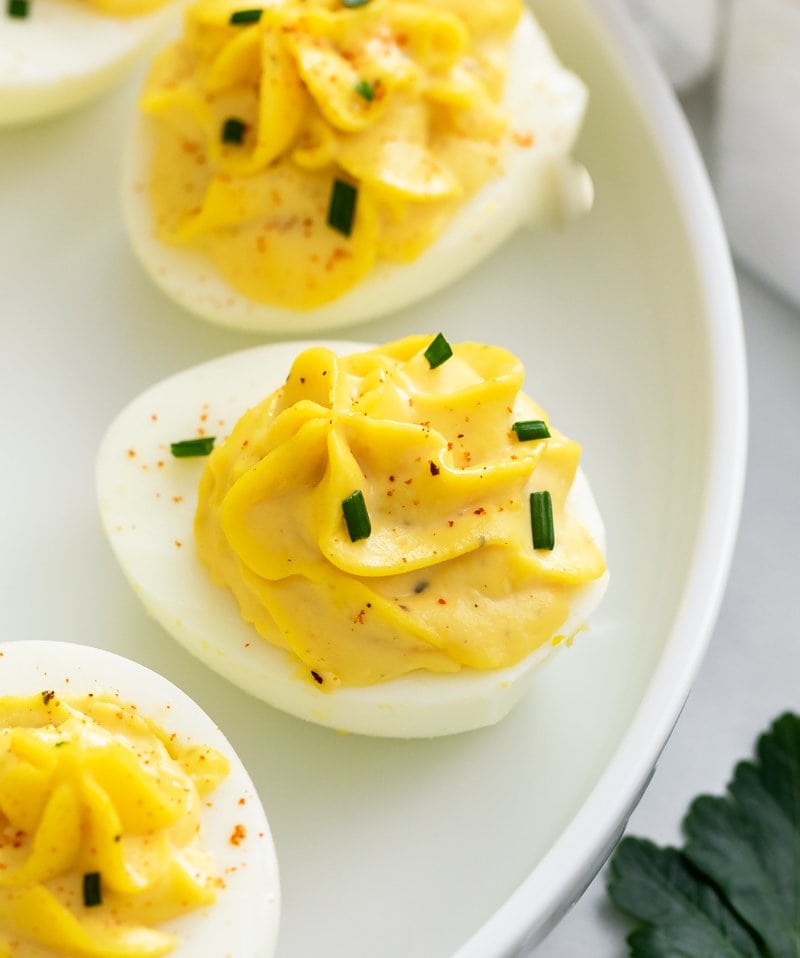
<point>628,324</point>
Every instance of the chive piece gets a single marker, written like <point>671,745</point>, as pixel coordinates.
<point>187,448</point>
<point>438,352</point>
<point>233,130</point>
<point>527,429</point>
<point>92,893</point>
<point>252,15</point>
<point>19,9</point>
<point>342,207</point>
<point>542,520</point>
<point>353,4</point>
<point>356,516</point>
<point>366,89</point>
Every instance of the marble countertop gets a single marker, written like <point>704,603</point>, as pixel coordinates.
<point>752,670</point>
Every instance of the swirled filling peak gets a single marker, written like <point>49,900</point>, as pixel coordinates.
<point>373,516</point>
<point>299,142</point>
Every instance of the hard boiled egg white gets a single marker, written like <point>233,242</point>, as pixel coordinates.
<point>540,184</point>
<point>65,51</point>
<point>147,503</point>
<point>243,921</point>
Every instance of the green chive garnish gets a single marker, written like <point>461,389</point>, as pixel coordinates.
<point>18,9</point>
<point>352,4</point>
<point>233,130</point>
<point>356,516</point>
<point>544,536</point>
<point>342,207</point>
<point>187,448</point>
<point>366,89</point>
<point>528,429</point>
<point>438,352</point>
<point>92,893</point>
<point>246,16</point>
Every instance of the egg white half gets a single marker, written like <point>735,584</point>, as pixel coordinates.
<point>147,502</point>
<point>540,184</point>
<point>65,52</point>
<point>243,921</point>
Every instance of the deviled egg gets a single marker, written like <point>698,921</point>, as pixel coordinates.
<point>303,165</point>
<point>55,54</point>
<point>388,543</point>
<point>129,825</point>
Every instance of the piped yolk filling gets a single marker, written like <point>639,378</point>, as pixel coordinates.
<point>255,121</point>
<point>100,836</point>
<point>126,8</point>
<point>448,577</point>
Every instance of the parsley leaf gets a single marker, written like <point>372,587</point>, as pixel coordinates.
<point>733,891</point>
<point>683,914</point>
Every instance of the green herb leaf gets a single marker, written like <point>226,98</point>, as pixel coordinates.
<point>251,15</point>
<point>733,891</point>
<point>356,516</point>
<point>542,527</point>
<point>352,4</point>
<point>527,429</point>
<point>187,448</point>
<point>438,352</point>
<point>233,131</point>
<point>342,207</point>
<point>684,916</point>
<point>92,890</point>
<point>18,9</point>
<point>749,842</point>
<point>365,89</point>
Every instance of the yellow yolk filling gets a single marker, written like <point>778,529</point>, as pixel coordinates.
<point>89,787</point>
<point>448,577</point>
<point>399,98</point>
<point>127,8</point>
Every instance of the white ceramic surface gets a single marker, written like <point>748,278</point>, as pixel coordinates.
<point>749,674</point>
<point>629,327</point>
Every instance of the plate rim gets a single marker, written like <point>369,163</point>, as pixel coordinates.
<point>580,851</point>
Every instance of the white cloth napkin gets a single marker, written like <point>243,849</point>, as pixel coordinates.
<point>682,33</point>
<point>756,161</point>
<point>751,50</point>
